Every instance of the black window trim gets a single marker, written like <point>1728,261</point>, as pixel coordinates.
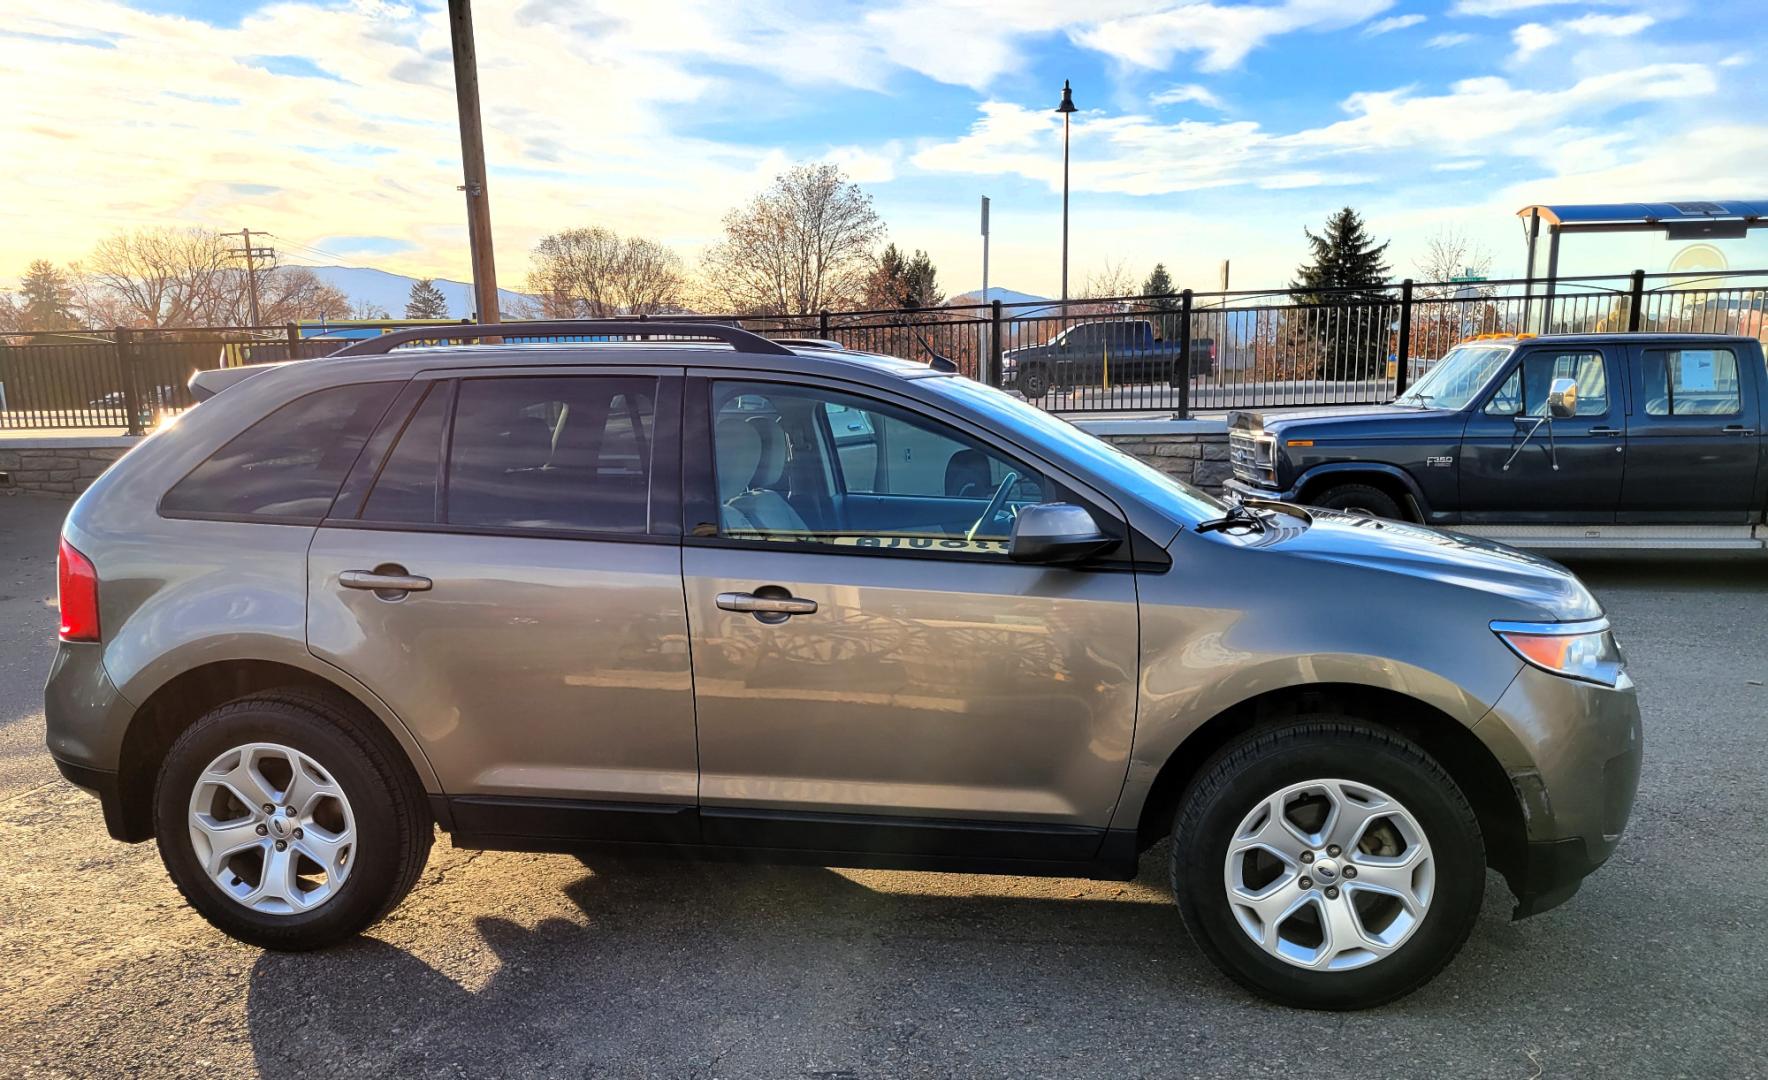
<point>663,511</point>
<point>699,501</point>
<point>303,521</point>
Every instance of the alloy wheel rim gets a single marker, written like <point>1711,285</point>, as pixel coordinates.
<point>272,828</point>
<point>1329,875</point>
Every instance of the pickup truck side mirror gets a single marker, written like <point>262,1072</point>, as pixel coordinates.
<point>1056,533</point>
<point>1562,399</point>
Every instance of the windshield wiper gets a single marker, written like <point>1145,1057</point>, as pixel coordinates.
<point>1239,516</point>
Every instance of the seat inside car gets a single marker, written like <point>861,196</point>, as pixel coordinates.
<point>751,457</point>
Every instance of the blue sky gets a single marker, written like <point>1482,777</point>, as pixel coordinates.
<point>1208,131</point>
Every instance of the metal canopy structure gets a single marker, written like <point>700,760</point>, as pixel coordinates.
<point>1687,220</point>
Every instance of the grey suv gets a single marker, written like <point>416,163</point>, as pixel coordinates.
<point>743,601</point>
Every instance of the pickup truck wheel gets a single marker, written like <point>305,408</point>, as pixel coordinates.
<point>1359,499</point>
<point>1327,863</point>
<point>284,825</point>
<point>1034,381</point>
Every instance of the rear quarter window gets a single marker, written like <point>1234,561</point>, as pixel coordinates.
<point>288,466</point>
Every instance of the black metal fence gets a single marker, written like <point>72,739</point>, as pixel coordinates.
<point>1181,354</point>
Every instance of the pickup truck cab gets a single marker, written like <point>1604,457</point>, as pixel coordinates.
<point>1100,352</point>
<point>1571,442</point>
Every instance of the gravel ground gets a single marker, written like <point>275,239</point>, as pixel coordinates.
<point>503,964</point>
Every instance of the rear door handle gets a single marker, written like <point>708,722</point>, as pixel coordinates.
<point>1738,429</point>
<point>765,605</point>
<point>384,581</point>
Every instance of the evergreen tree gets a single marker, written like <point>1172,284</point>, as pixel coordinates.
<point>1339,291</point>
<point>1159,287</point>
<point>46,298</point>
<point>426,301</point>
<point>904,282</point>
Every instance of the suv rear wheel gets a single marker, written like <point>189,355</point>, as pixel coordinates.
<point>286,826</point>
<point>1327,863</point>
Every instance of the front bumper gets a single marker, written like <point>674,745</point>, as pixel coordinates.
<point>1252,491</point>
<point>1572,751</point>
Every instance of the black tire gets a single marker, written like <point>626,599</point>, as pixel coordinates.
<point>1319,747</point>
<point>393,825</point>
<point>1034,381</point>
<point>1360,499</point>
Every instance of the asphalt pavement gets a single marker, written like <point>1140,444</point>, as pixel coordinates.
<point>531,965</point>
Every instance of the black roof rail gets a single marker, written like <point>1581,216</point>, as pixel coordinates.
<point>740,340</point>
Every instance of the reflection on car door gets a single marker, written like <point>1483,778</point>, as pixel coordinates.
<point>547,653</point>
<point>1519,465</point>
<point>906,687</point>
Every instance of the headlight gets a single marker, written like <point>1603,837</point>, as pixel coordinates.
<point>1264,451</point>
<point>1582,650</point>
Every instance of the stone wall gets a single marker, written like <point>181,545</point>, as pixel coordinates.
<point>1195,451</point>
<point>57,466</point>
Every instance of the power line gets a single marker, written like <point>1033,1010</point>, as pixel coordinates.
<point>251,255</point>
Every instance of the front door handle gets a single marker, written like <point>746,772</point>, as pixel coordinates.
<point>775,602</point>
<point>384,580</point>
<point>1610,431</point>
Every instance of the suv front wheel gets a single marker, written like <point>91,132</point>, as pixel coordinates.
<point>285,825</point>
<point>1327,863</point>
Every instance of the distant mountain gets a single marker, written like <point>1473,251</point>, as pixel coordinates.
<point>1005,296</point>
<point>365,285</point>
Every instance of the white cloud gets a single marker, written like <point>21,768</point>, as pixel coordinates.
<point>1178,95</point>
<point>1223,33</point>
<point>1392,23</point>
<point>1505,7</point>
<point>1531,38</point>
<point>1609,25</point>
<point>1139,155</point>
<point>1448,41</point>
<point>1465,165</point>
<point>864,165</point>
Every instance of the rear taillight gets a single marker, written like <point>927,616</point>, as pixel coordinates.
<point>77,583</point>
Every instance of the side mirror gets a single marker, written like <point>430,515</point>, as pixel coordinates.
<point>1562,399</point>
<point>1056,533</point>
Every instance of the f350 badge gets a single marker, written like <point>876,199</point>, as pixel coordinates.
<point>1439,462</point>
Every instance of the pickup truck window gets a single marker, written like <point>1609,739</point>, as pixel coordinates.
<point>1456,378</point>
<point>1525,391</point>
<point>1691,382</point>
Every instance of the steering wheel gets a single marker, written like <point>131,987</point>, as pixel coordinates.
<point>994,505</point>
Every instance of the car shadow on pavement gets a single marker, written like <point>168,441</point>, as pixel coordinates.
<point>670,958</point>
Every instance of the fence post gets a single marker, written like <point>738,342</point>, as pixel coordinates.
<point>125,349</point>
<point>993,375</point>
<point>1636,303</point>
<point>1403,352</point>
<point>822,324</point>
<point>294,337</point>
<point>1184,369</point>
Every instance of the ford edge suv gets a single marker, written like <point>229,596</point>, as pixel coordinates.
<point>720,597</point>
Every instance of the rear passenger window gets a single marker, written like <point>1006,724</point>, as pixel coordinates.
<point>565,453</point>
<point>288,466</point>
<point>406,489</point>
<point>1692,382</point>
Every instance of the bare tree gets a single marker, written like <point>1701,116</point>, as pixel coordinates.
<point>593,273</point>
<point>159,277</point>
<point>802,246</point>
<point>1450,253</point>
<point>1111,279</point>
<point>285,294</point>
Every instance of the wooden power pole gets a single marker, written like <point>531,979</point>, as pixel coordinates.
<point>472,153</point>
<point>252,255</point>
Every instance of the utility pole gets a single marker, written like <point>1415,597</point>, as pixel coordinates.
<point>251,255</point>
<point>1065,108</point>
<point>985,249</point>
<point>472,153</point>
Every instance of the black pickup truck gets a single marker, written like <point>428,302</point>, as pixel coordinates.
<point>1562,442</point>
<point>1102,352</point>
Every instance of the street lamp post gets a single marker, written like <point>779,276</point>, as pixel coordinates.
<point>1065,109</point>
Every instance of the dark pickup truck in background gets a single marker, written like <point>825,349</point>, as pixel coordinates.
<point>1102,352</point>
<point>1563,442</point>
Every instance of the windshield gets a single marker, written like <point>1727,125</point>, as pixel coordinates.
<point>1457,377</point>
<point>1122,469</point>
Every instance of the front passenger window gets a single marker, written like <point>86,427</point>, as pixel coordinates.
<point>807,466</point>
